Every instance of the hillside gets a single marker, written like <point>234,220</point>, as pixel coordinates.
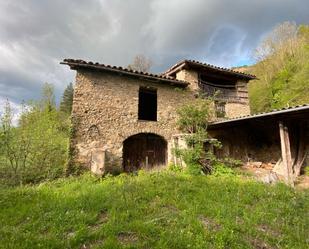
<point>154,210</point>
<point>282,69</point>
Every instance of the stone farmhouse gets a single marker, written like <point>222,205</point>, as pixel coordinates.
<point>124,120</point>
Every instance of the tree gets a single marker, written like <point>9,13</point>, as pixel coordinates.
<point>282,39</point>
<point>67,100</point>
<point>140,63</point>
<point>35,149</point>
<point>282,69</point>
<point>15,145</point>
<point>48,97</point>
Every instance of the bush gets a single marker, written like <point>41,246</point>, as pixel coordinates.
<point>35,149</point>
<point>193,119</point>
<point>220,169</point>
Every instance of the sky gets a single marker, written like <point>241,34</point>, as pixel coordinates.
<point>36,35</point>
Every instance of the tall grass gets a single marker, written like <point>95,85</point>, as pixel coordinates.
<point>154,210</point>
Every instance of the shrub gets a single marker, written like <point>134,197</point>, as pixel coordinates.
<point>36,148</point>
<point>193,119</point>
<point>220,169</point>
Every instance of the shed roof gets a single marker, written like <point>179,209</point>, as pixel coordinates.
<point>81,64</point>
<point>301,111</point>
<point>205,66</point>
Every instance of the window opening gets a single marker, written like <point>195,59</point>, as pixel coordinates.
<point>147,104</point>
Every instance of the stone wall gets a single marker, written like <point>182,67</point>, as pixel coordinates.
<point>105,113</point>
<point>233,110</point>
<point>189,76</point>
<point>241,107</point>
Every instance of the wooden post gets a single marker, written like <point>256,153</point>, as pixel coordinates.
<point>146,162</point>
<point>301,153</point>
<point>286,152</point>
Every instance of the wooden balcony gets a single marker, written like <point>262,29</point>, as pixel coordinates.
<point>226,93</point>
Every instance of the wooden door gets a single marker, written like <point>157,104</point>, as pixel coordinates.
<point>144,150</point>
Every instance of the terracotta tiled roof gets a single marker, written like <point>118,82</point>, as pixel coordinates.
<point>286,110</point>
<point>77,64</point>
<point>208,66</point>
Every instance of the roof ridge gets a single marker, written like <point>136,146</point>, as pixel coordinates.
<point>79,62</point>
<point>208,65</point>
<point>222,68</point>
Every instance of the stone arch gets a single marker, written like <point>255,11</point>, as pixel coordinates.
<point>151,130</point>
<point>144,150</point>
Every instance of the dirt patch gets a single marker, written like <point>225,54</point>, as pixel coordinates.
<point>171,208</point>
<point>269,231</point>
<point>262,172</point>
<point>257,169</point>
<point>259,244</point>
<point>127,237</point>
<point>102,218</point>
<point>92,244</point>
<point>70,234</point>
<point>209,223</point>
<point>239,221</point>
<point>302,182</point>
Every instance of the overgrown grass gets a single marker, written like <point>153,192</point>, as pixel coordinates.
<point>154,210</point>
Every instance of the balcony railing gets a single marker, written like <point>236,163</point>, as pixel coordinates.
<point>226,93</point>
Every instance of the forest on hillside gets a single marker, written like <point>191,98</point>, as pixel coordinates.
<point>282,69</point>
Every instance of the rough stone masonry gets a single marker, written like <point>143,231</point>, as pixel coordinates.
<point>107,105</point>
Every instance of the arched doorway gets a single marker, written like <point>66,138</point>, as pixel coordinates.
<point>144,150</point>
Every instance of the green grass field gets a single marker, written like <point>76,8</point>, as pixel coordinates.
<point>154,210</point>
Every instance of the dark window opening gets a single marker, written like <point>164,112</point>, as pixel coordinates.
<point>218,80</point>
<point>147,104</point>
<point>220,109</point>
<point>218,87</point>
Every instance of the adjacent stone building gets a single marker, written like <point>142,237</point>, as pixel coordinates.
<point>124,120</point>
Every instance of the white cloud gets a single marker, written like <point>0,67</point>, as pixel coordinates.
<point>36,35</point>
<point>15,108</point>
